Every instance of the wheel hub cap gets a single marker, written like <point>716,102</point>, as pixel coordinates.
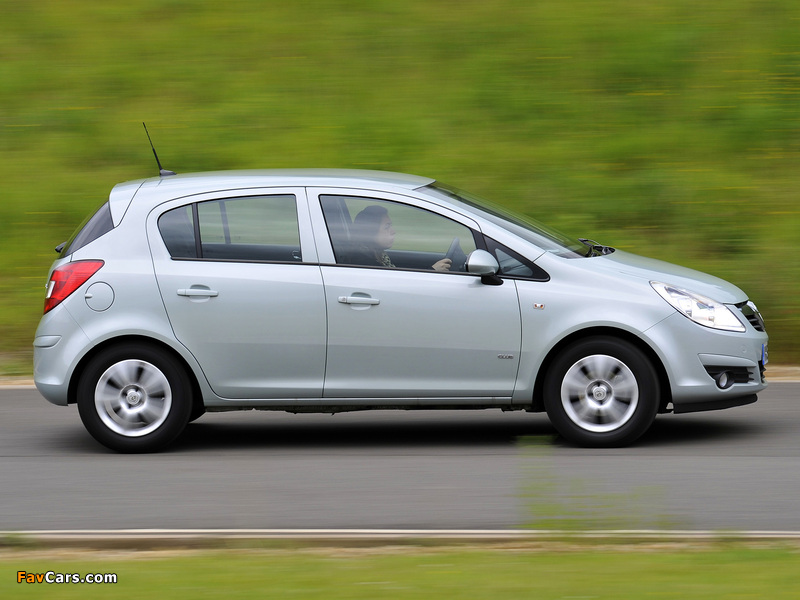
<point>133,398</point>
<point>599,393</point>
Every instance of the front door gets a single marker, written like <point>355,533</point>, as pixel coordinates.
<point>409,326</point>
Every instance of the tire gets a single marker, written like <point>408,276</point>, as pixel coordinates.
<point>134,398</point>
<point>601,392</point>
<point>196,412</point>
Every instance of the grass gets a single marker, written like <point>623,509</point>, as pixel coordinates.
<point>668,129</point>
<point>574,505</point>
<point>544,572</point>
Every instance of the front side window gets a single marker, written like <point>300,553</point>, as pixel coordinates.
<point>378,233</point>
<point>258,228</point>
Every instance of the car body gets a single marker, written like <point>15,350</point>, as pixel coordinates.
<point>239,290</point>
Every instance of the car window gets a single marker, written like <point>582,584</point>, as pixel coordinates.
<point>177,231</point>
<point>513,264</point>
<point>258,228</point>
<point>380,233</point>
<point>99,224</point>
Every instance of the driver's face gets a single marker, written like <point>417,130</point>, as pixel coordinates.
<point>385,236</point>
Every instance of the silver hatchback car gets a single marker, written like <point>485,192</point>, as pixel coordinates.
<point>337,290</point>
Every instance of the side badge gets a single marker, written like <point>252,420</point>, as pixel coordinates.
<point>505,356</point>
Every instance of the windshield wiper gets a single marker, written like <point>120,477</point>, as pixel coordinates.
<point>595,249</point>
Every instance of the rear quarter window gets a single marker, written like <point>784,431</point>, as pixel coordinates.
<point>177,231</point>
<point>95,226</point>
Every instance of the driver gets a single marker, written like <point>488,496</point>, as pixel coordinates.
<point>372,235</point>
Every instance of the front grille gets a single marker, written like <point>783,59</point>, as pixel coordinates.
<point>738,374</point>
<point>752,315</point>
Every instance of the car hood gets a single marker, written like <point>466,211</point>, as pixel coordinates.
<point>652,269</point>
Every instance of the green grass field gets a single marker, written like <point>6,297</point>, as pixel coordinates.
<point>611,573</point>
<point>670,129</point>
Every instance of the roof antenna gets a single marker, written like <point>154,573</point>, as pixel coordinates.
<point>161,171</point>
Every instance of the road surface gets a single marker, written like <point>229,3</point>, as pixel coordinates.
<point>727,470</point>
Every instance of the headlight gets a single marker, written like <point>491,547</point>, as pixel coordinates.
<point>701,310</point>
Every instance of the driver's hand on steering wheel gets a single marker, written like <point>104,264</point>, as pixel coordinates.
<point>442,265</point>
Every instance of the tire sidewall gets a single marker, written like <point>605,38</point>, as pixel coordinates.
<point>646,380</point>
<point>180,389</point>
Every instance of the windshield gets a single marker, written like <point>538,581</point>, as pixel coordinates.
<point>525,227</point>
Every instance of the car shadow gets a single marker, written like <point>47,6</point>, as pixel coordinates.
<point>419,430</point>
<point>444,431</point>
<point>710,428</point>
<point>438,433</point>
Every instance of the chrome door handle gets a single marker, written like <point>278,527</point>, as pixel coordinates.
<point>358,300</point>
<point>198,292</point>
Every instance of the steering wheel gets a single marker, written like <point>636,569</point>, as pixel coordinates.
<point>454,245</point>
<point>456,255</point>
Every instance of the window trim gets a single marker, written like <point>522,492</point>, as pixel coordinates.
<point>198,242</point>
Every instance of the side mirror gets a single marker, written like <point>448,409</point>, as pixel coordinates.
<point>480,262</point>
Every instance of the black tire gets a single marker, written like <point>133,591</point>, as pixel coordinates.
<point>197,411</point>
<point>601,392</point>
<point>134,398</point>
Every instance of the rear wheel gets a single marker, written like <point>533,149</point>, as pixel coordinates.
<point>134,398</point>
<point>601,391</point>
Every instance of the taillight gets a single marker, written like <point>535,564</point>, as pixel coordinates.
<point>68,278</point>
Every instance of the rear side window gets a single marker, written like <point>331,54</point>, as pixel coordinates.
<point>99,224</point>
<point>257,228</point>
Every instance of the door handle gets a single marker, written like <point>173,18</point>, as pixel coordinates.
<point>198,292</point>
<point>359,300</point>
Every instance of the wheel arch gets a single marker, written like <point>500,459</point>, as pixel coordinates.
<point>640,344</point>
<point>197,395</point>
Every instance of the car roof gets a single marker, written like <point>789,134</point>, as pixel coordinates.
<point>289,177</point>
<point>158,189</point>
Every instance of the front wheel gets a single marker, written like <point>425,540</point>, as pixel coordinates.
<point>134,398</point>
<point>601,392</point>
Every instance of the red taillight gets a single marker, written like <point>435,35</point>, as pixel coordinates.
<point>68,278</point>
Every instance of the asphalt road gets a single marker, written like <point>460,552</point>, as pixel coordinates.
<point>728,470</point>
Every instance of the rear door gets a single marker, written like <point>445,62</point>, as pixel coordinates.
<point>246,296</point>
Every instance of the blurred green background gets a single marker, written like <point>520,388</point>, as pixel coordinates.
<point>670,129</point>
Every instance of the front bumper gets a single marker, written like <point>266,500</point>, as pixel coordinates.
<point>694,355</point>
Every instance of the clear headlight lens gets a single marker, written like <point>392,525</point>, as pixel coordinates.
<point>703,311</point>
